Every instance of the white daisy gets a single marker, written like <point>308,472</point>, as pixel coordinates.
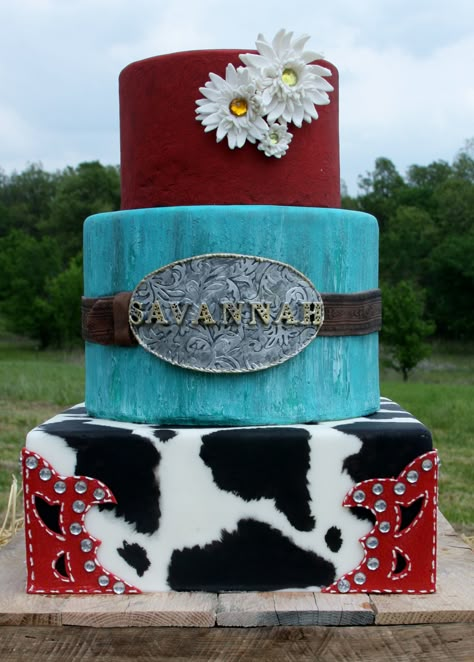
<point>276,140</point>
<point>290,87</point>
<point>231,107</point>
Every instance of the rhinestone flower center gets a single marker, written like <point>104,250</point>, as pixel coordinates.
<point>289,77</point>
<point>239,106</point>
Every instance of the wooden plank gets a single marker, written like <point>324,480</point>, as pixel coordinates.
<point>292,608</point>
<point>424,643</point>
<point>453,601</point>
<point>148,609</point>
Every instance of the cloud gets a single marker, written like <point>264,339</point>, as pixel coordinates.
<point>406,82</point>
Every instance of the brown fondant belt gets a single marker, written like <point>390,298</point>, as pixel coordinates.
<point>105,319</point>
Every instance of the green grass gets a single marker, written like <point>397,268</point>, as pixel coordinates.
<point>36,385</point>
<point>447,410</point>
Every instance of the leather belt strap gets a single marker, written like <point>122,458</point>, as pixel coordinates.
<point>105,319</point>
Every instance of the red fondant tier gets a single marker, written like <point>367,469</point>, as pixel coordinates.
<point>168,160</point>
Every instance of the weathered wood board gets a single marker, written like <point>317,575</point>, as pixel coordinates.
<point>452,603</point>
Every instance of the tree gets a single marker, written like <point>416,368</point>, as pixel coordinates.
<point>90,188</point>
<point>25,199</point>
<point>404,331</point>
<point>380,189</point>
<point>59,309</point>
<point>406,245</point>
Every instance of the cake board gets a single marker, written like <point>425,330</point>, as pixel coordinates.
<point>203,626</point>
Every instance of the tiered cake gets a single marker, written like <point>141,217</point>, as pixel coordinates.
<point>232,436</point>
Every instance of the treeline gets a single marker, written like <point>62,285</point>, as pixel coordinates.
<point>426,221</point>
<point>426,243</point>
<point>41,218</point>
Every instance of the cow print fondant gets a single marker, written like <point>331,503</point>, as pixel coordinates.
<point>256,508</point>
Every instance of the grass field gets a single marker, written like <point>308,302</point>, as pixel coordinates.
<point>36,385</point>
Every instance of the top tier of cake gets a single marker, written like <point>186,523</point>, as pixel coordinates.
<point>168,160</point>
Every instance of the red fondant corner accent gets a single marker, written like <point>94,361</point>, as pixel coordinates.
<point>44,547</point>
<point>414,546</point>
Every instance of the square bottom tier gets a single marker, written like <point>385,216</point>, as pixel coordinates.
<point>340,506</point>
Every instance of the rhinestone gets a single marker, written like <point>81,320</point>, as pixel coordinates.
<point>412,476</point>
<point>427,465</point>
<point>359,496</point>
<point>80,487</point>
<point>380,506</point>
<point>377,489</point>
<point>89,566</point>
<point>78,506</point>
<point>31,462</point>
<point>45,473</point>
<point>344,586</point>
<point>399,488</point>
<point>86,545</point>
<point>103,580</point>
<point>99,494</point>
<point>118,588</point>
<point>373,563</point>
<point>289,77</point>
<point>75,529</point>
<point>384,527</point>
<point>59,487</point>
<point>274,138</point>
<point>239,107</point>
<point>360,578</point>
<point>372,542</point>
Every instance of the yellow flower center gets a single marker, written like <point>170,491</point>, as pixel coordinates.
<point>239,107</point>
<point>289,77</point>
<point>274,137</point>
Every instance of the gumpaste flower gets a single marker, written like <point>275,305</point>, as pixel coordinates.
<point>276,140</point>
<point>290,87</point>
<point>232,108</point>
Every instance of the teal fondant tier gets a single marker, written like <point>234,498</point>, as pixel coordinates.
<point>332,378</point>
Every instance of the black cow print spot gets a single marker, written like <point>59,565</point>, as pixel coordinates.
<point>125,462</point>
<point>254,557</point>
<point>258,463</point>
<point>333,538</point>
<point>135,556</point>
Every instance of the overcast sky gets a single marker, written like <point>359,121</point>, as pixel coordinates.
<point>406,70</point>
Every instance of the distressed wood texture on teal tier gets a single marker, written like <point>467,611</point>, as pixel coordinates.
<point>333,378</point>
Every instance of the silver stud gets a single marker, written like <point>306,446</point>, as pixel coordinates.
<point>118,588</point>
<point>45,473</point>
<point>380,506</point>
<point>59,487</point>
<point>31,462</point>
<point>360,578</point>
<point>87,545</point>
<point>103,580</point>
<point>75,529</point>
<point>78,506</point>
<point>372,542</point>
<point>343,586</point>
<point>89,566</point>
<point>99,494</point>
<point>384,527</point>
<point>359,496</point>
<point>373,563</point>
<point>80,487</point>
<point>427,465</point>
<point>377,489</point>
<point>399,488</point>
<point>412,476</point>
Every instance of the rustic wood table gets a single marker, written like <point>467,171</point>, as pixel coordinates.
<point>242,626</point>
